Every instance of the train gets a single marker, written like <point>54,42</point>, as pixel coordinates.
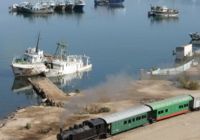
<point>140,115</point>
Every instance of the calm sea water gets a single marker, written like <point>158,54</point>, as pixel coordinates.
<point>118,40</point>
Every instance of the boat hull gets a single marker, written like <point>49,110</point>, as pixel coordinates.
<point>78,7</point>
<point>54,73</point>
<point>41,11</point>
<point>112,3</point>
<point>157,14</point>
<point>28,69</point>
<point>59,8</point>
<point>69,7</point>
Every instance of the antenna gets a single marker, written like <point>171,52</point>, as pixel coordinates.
<point>37,45</point>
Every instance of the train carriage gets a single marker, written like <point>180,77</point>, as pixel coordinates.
<point>126,120</point>
<point>170,107</point>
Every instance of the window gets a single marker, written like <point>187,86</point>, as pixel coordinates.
<point>160,112</point>
<point>129,121</point>
<point>138,118</point>
<point>185,105</point>
<point>125,122</point>
<point>133,119</point>
<point>144,116</point>
<point>166,110</point>
<point>180,106</point>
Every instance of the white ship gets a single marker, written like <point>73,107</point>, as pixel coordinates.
<point>33,62</point>
<point>63,64</point>
<point>163,11</point>
<point>30,63</point>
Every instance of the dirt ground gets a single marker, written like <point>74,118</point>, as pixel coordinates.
<point>43,123</point>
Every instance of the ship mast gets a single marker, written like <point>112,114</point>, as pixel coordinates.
<point>60,50</point>
<point>37,45</point>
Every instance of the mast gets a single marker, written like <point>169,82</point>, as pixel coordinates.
<point>37,45</point>
<point>60,50</point>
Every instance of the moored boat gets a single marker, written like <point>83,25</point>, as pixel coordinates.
<point>195,38</point>
<point>30,63</point>
<point>69,5</point>
<point>79,5</point>
<point>63,64</point>
<point>108,2</point>
<point>18,7</point>
<point>59,6</point>
<point>101,2</point>
<point>163,11</point>
<point>37,8</point>
<point>116,2</point>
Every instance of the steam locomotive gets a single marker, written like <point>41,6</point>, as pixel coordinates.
<point>131,118</point>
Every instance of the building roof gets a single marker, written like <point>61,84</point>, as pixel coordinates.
<point>169,101</point>
<point>126,114</point>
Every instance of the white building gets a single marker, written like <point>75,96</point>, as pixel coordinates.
<point>184,51</point>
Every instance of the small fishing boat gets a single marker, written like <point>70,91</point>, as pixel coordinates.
<point>78,5</point>
<point>163,11</point>
<point>101,2</point>
<point>116,3</point>
<point>30,63</point>
<point>108,2</point>
<point>59,6</point>
<point>18,7</point>
<point>13,8</point>
<point>63,64</point>
<point>69,5</point>
<point>195,38</point>
<point>37,8</point>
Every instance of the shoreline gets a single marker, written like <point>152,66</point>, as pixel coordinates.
<point>45,121</point>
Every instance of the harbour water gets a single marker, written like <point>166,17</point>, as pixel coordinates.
<point>118,40</point>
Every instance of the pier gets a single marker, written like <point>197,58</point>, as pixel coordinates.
<point>49,92</point>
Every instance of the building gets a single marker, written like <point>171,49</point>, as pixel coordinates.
<point>184,51</point>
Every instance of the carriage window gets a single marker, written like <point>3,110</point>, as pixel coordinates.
<point>144,116</point>
<point>160,112</point>
<point>133,119</point>
<point>129,121</point>
<point>185,105</point>
<point>125,122</point>
<point>138,118</point>
<point>180,106</point>
<point>166,110</point>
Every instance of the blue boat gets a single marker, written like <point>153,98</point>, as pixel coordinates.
<point>109,2</point>
<point>115,2</point>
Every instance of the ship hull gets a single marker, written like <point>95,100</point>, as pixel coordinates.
<point>59,8</point>
<point>41,11</point>
<point>78,8</point>
<point>67,71</point>
<point>28,69</point>
<point>69,7</point>
<point>115,2</point>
